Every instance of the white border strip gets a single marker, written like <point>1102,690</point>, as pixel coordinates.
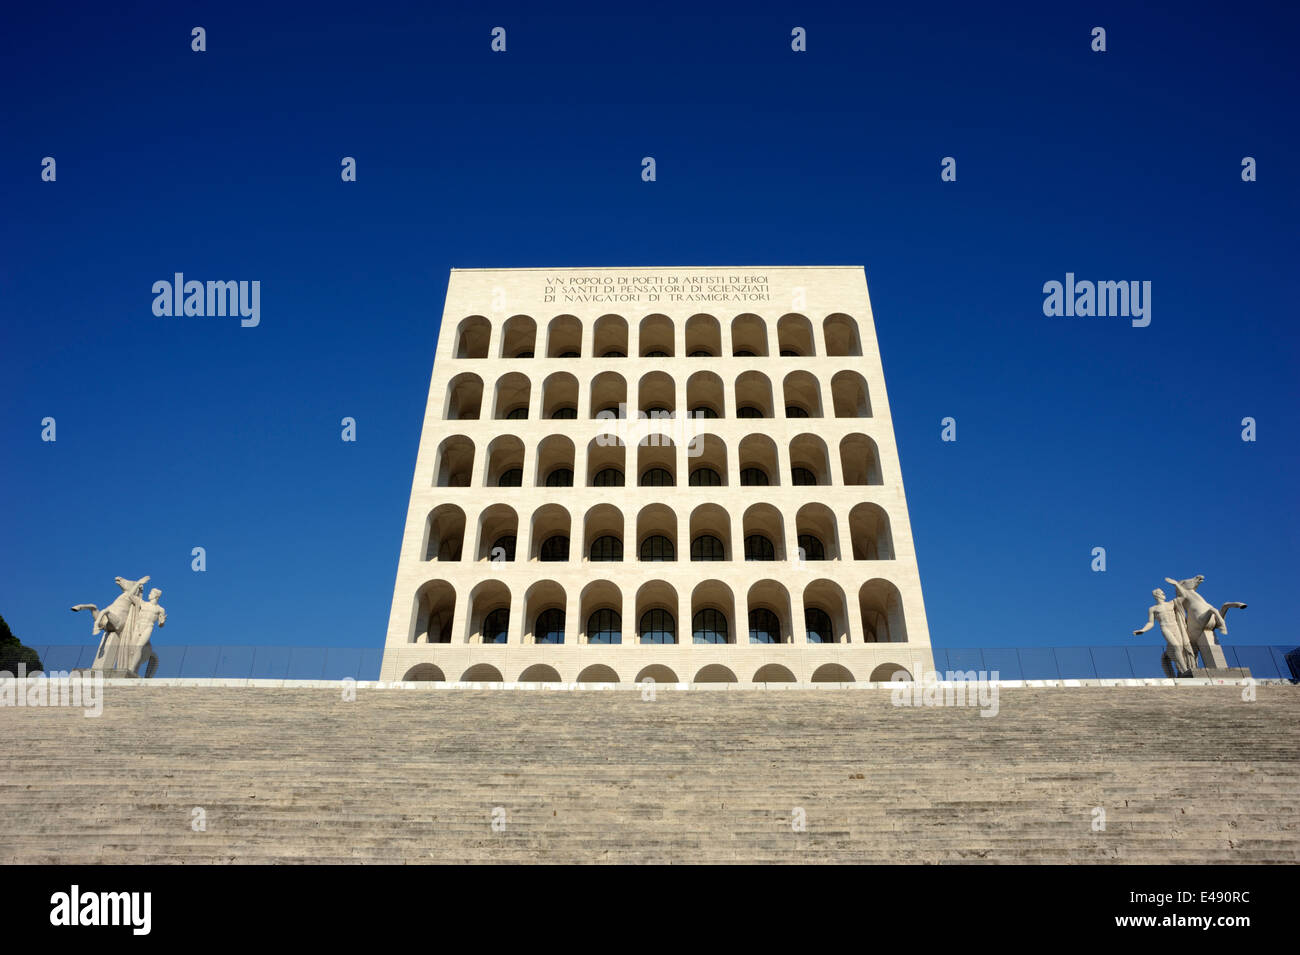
<point>708,687</point>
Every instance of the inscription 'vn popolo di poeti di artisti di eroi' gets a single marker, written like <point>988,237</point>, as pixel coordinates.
<point>667,287</point>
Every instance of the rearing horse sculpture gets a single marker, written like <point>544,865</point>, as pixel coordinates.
<point>115,619</point>
<point>1202,619</point>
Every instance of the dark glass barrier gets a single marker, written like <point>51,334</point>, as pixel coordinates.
<point>362,663</point>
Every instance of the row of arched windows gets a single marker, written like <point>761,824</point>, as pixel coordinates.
<point>605,626</point>
<point>655,462</point>
<point>749,336</point>
<point>654,532</point>
<point>751,396</point>
<point>766,616</point>
<point>771,672</point>
<point>655,547</point>
<point>659,477</point>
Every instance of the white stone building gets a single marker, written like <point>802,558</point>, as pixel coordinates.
<point>687,474</point>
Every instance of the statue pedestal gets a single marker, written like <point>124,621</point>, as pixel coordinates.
<point>1221,673</point>
<point>1212,657</point>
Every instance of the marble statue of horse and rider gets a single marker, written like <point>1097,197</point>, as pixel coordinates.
<point>127,624</point>
<point>1188,624</point>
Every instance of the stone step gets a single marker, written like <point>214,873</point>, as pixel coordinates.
<point>1187,774</point>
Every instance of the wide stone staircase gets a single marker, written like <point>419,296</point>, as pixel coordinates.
<point>1181,774</point>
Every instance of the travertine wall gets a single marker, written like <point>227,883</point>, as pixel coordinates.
<point>662,342</point>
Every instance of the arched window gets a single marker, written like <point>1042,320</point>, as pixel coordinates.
<point>764,627</point>
<point>503,548</point>
<point>555,548</point>
<point>743,353</point>
<point>818,624</point>
<point>569,354</point>
<point>610,411</point>
<point>524,354</point>
<point>614,354</point>
<point>794,411</point>
<point>657,626</point>
<point>608,477</point>
<point>560,477</point>
<point>511,478</point>
<point>789,353</point>
<point>518,414</point>
<point>656,477</point>
<point>658,411</point>
<point>749,411</point>
<point>607,547</point>
<point>707,547</point>
<point>496,626</point>
<point>802,477</point>
<point>758,547</point>
<point>703,411</point>
<point>565,413</point>
<point>657,547</point>
<point>705,477</point>
<point>753,477</point>
<point>709,626</point>
<point>605,626</point>
<point>701,353</point>
<point>656,354</point>
<point>550,627</point>
<point>810,548</point>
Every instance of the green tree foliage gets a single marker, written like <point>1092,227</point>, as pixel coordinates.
<point>12,652</point>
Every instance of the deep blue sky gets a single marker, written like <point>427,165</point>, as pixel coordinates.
<point>1072,433</point>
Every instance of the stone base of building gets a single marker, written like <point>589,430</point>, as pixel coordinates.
<point>689,663</point>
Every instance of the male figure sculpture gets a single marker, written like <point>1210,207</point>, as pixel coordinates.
<point>1179,657</point>
<point>139,649</point>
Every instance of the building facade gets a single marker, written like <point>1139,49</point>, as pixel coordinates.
<point>683,474</point>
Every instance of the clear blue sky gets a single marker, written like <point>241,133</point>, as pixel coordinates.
<point>1072,433</point>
